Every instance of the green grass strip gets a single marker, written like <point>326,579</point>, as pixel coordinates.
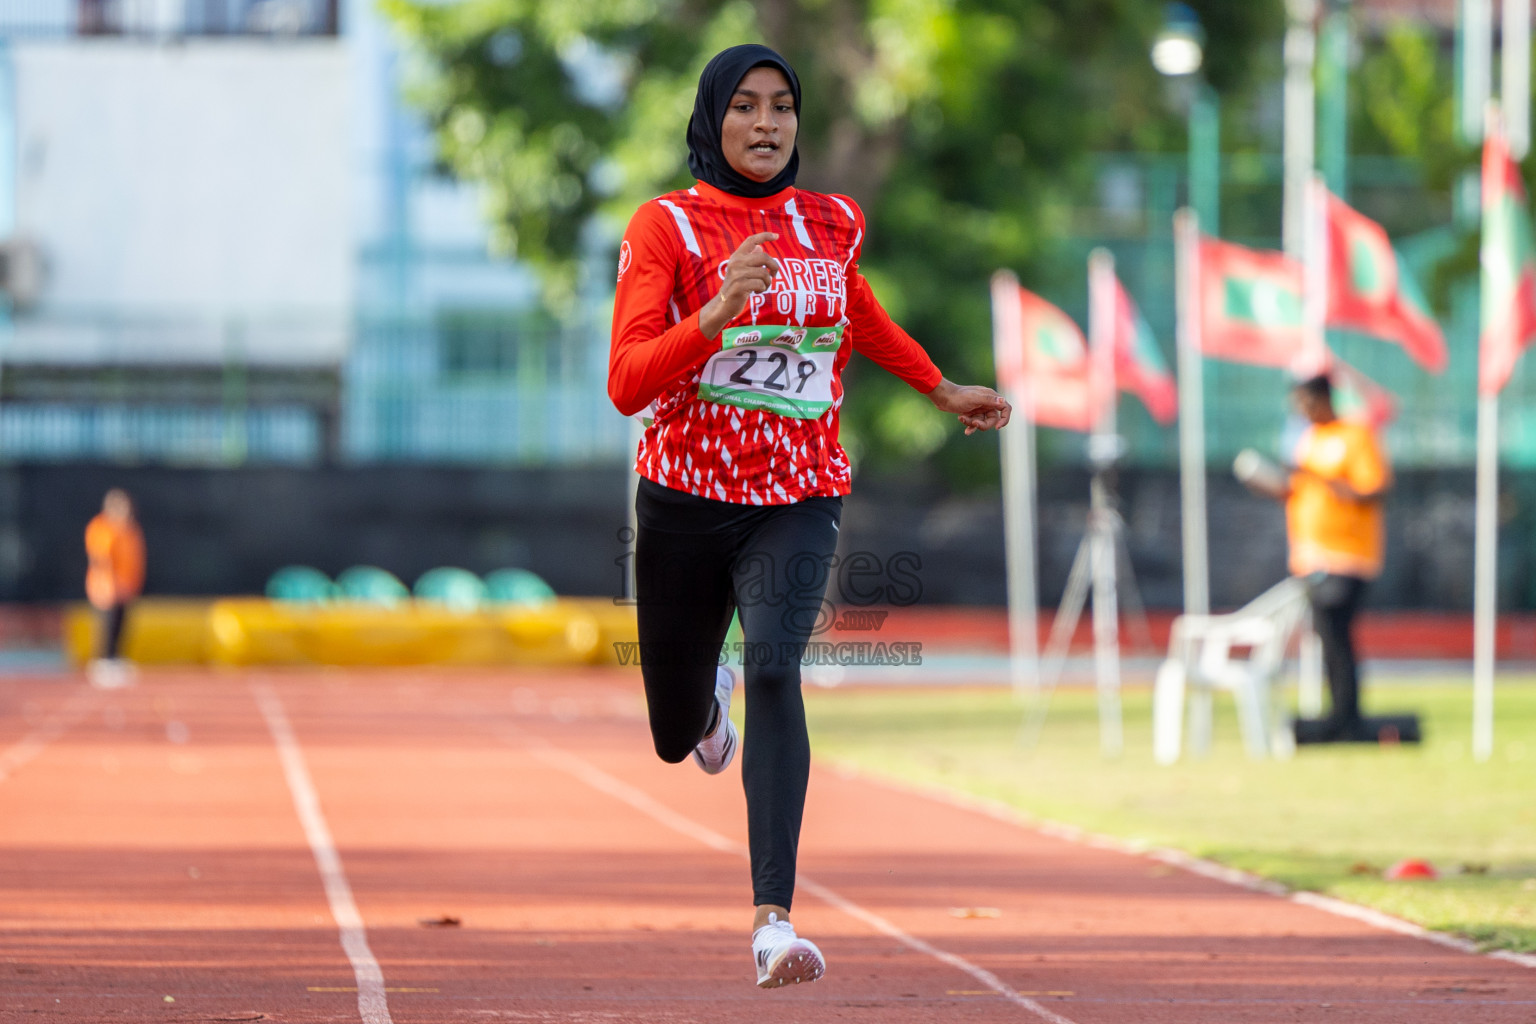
<point>1328,820</point>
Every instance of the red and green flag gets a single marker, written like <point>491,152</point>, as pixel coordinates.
<point>1357,397</point>
<point>1139,365</point>
<point>1369,291</point>
<point>1250,305</point>
<point>1509,268</point>
<point>1042,354</point>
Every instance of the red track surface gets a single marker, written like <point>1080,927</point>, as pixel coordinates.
<point>150,848</point>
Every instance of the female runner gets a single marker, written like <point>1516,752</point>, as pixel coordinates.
<point>739,301</point>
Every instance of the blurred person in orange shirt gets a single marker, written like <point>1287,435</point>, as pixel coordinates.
<point>1337,535</point>
<point>114,545</point>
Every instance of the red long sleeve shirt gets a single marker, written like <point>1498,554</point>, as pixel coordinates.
<point>751,416</point>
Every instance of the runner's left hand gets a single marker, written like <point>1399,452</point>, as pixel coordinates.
<point>978,408</point>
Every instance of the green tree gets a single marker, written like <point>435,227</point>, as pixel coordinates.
<point>961,126</point>
<point>1404,105</point>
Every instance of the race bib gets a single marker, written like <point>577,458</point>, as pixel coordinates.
<point>784,370</point>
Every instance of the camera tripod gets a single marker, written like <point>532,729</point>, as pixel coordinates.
<point>1102,567</point>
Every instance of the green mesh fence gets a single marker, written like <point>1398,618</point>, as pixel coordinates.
<point>1247,406</point>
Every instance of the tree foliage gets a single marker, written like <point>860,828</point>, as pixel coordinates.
<point>1404,105</point>
<point>961,126</point>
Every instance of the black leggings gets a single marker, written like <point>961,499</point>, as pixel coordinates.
<point>696,560</point>
<point>112,630</point>
<point>1335,600</point>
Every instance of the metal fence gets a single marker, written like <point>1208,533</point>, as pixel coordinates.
<point>169,435</point>
<point>481,388</point>
<point>485,387</point>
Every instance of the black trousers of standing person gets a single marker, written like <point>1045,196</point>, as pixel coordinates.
<point>112,618</point>
<point>697,560</point>
<point>1335,600</point>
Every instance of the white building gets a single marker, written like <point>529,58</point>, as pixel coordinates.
<point>244,254</point>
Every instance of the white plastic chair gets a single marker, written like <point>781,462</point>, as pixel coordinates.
<point>1241,652</point>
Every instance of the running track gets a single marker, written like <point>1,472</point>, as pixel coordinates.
<point>259,846</point>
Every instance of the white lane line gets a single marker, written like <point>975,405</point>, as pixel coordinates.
<point>625,793</point>
<point>372,1005</point>
<point>14,757</point>
<point>1186,861</point>
<point>643,802</point>
<point>880,924</point>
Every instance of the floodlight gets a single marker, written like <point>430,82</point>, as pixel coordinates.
<point>1179,48</point>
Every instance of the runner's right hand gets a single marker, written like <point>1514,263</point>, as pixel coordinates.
<point>749,271</point>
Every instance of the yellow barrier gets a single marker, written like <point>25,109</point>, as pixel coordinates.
<point>256,631</point>
<point>157,631</point>
<point>615,625</point>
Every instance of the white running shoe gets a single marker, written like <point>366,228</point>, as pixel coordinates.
<point>110,673</point>
<point>715,751</point>
<point>784,958</point>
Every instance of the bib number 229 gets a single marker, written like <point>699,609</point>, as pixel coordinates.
<point>784,370</point>
<point>779,379</point>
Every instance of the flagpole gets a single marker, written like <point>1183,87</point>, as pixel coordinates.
<point>1485,586</point>
<point>1300,102</point>
<point>1315,277</point>
<point>1474,36</point>
<point>1485,551</point>
<point>1515,68</point>
<point>1018,454</point>
<point>1186,246</point>
<point>1315,269</point>
<point>1103,449</point>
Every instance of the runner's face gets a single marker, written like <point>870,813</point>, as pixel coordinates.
<point>758,134</point>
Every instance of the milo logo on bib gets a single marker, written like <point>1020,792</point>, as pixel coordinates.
<point>779,369</point>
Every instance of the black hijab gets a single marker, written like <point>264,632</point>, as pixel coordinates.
<point>717,84</point>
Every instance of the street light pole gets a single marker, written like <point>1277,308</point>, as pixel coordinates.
<point>1177,53</point>
<point>1205,155</point>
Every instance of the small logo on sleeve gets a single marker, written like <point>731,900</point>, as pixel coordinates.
<point>626,256</point>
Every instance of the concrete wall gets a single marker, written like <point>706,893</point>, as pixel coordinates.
<point>205,182</point>
<point>225,531</point>
<point>1429,538</point>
